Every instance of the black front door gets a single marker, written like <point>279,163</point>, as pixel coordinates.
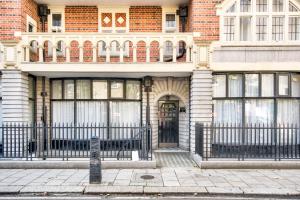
<point>168,124</point>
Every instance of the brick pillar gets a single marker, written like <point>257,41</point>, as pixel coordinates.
<point>201,103</point>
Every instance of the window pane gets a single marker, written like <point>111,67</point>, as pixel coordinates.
<point>294,28</point>
<point>245,5</point>
<point>261,28</point>
<point>259,111</point>
<point>277,5</point>
<point>133,89</point>
<point>100,89</point>
<point>125,112</point>
<point>170,20</point>
<point>288,112</point>
<point>228,111</point>
<point>83,89</point>
<point>117,89</point>
<point>69,89</point>
<point>252,89</point>
<point>296,85</point>
<point>245,28</point>
<point>92,112</point>
<point>277,28</point>
<point>57,89</point>
<point>261,5</point>
<point>229,28</point>
<point>283,84</point>
<point>56,19</point>
<point>267,85</point>
<point>235,85</point>
<point>62,112</point>
<point>219,85</point>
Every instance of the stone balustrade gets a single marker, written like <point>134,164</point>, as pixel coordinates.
<point>107,48</point>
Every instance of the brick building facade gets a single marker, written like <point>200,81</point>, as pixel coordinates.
<point>209,62</point>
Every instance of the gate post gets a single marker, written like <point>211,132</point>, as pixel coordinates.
<point>95,161</point>
<point>199,139</point>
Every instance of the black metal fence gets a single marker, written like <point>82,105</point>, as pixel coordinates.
<point>251,141</point>
<point>65,141</point>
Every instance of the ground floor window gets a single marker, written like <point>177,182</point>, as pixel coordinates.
<point>97,101</point>
<point>257,98</point>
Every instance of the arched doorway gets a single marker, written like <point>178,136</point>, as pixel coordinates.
<point>168,122</point>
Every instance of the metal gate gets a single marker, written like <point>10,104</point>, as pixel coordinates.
<point>168,124</point>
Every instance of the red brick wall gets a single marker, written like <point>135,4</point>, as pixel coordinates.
<point>81,19</point>
<point>145,19</point>
<point>10,18</point>
<point>203,19</point>
<point>29,7</point>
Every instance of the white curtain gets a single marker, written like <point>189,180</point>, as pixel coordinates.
<point>289,114</point>
<point>62,114</point>
<point>259,113</point>
<point>235,85</point>
<point>219,85</point>
<point>83,89</point>
<point>124,114</point>
<point>267,82</point>
<point>296,85</point>
<point>91,113</point>
<point>227,112</point>
<point>251,85</point>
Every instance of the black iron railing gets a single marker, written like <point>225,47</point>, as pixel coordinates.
<point>251,141</point>
<point>66,141</point>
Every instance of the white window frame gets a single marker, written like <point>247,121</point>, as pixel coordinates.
<point>31,21</point>
<point>227,4</point>
<point>56,10</point>
<point>169,10</point>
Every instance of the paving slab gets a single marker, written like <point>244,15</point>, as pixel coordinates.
<point>224,190</point>
<point>174,190</point>
<point>270,191</point>
<point>52,189</point>
<point>98,189</point>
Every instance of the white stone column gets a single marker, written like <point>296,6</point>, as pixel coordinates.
<point>81,54</point>
<point>147,54</point>
<point>94,54</point>
<point>121,54</point>
<point>107,54</point>
<point>68,56</point>
<point>15,109</point>
<point>174,54</point>
<point>54,58</point>
<point>27,54</point>
<point>200,104</point>
<point>41,53</point>
<point>188,54</point>
<point>161,54</point>
<point>134,54</point>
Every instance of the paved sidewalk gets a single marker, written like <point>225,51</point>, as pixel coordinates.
<point>166,181</point>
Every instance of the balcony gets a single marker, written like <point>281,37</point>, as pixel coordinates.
<point>101,52</point>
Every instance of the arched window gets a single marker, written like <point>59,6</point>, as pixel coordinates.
<point>259,20</point>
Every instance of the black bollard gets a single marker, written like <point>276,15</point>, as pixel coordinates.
<point>95,161</point>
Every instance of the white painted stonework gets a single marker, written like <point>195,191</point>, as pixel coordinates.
<point>178,87</point>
